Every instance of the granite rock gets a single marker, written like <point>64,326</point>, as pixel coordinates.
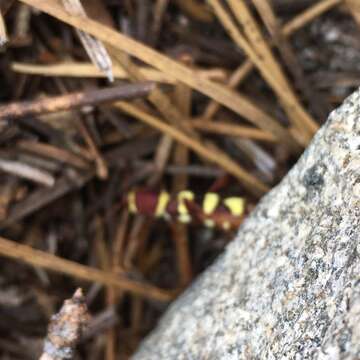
<point>288,286</point>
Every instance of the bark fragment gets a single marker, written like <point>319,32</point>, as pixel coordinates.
<point>65,329</point>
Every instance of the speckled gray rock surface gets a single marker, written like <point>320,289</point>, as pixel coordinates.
<point>288,287</point>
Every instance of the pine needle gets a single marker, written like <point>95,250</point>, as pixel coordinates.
<point>259,53</point>
<point>288,29</point>
<point>88,70</point>
<point>253,184</point>
<point>42,259</point>
<point>229,98</point>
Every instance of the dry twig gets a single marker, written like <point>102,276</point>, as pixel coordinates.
<point>65,329</point>
<point>94,48</point>
<point>27,172</point>
<point>74,100</point>
<point>53,152</point>
<point>47,261</point>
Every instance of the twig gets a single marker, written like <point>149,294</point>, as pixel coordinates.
<point>101,166</point>
<point>94,48</point>
<point>42,128</point>
<point>74,100</point>
<point>42,163</point>
<point>65,329</point>
<point>27,172</point>
<point>42,197</point>
<point>193,170</point>
<point>65,184</point>
<point>42,259</point>
<point>53,152</point>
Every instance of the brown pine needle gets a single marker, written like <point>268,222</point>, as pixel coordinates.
<point>53,152</point>
<point>157,97</point>
<point>42,259</point>
<point>234,80</point>
<point>292,105</point>
<point>253,184</point>
<point>166,107</point>
<point>309,15</point>
<point>163,103</point>
<point>81,70</point>
<point>196,9</point>
<point>354,8</point>
<point>265,10</point>
<point>261,56</point>
<point>227,97</point>
<point>288,29</point>
<point>230,129</point>
<point>102,170</point>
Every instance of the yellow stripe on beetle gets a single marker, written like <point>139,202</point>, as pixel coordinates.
<point>210,223</point>
<point>182,209</point>
<point>226,225</point>
<point>236,205</point>
<point>131,199</point>
<point>163,201</point>
<point>182,196</point>
<point>210,202</point>
<point>185,218</point>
